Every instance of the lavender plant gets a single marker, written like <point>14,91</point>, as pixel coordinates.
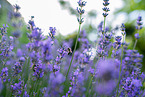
<point>46,68</point>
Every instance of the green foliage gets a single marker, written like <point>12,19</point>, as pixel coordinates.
<point>132,5</point>
<point>4,19</point>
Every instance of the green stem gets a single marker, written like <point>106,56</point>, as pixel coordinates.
<point>120,68</point>
<point>104,27</point>
<point>90,83</point>
<point>89,87</point>
<point>74,48</point>
<point>135,40</point>
<point>135,44</point>
<point>120,92</point>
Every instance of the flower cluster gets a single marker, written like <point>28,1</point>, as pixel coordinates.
<point>81,11</point>
<point>132,85</point>
<point>139,26</point>
<point>52,32</point>
<point>17,88</point>
<point>105,9</point>
<point>123,29</point>
<point>4,74</point>
<point>139,23</point>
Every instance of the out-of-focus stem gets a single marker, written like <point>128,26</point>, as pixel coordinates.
<point>104,27</point>
<point>120,67</point>
<point>89,86</point>
<point>135,40</point>
<point>135,44</point>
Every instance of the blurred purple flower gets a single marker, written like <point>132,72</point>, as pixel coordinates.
<point>108,73</point>
<point>4,74</point>
<point>137,36</point>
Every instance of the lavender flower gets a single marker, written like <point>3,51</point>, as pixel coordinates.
<point>52,32</point>
<point>4,74</point>
<point>117,44</point>
<point>17,68</point>
<point>123,29</point>
<point>139,23</point>
<point>106,2</point>
<point>81,11</point>
<point>31,23</point>
<point>132,87</point>
<point>105,9</point>
<point>104,45</point>
<point>80,20</point>
<point>38,71</point>
<point>16,12</point>
<point>16,34</point>
<point>4,29</point>
<point>46,50</point>
<point>138,27</point>
<point>17,15</point>
<point>17,88</point>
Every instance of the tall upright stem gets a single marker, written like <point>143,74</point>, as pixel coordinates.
<point>120,67</point>
<point>74,48</point>
<point>135,44</point>
<point>104,27</point>
<point>87,92</point>
<point>135,40</point>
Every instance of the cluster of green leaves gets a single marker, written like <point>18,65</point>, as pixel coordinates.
<point>132,5</point>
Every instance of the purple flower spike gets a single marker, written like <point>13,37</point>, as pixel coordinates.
<point>17,88</point>
<point>81,11</point>
<point>122,27</point>
<point>139,23</point>
<point>52,32</point>
<point>105,9</point>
